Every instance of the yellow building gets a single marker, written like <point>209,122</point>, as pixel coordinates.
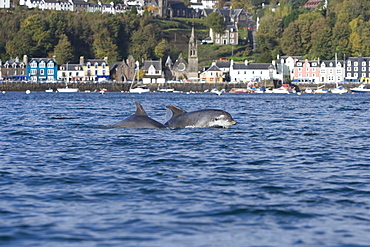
<point>95,69</point>
<point>212,75</point>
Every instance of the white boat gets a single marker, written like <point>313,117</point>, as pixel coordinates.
<point>216,91</point>
<point>166,90</point>
<point>284,89</point>
<point>68,90</point>
<point>140,89</point>
<point>308,90</point>
<point>28,91</point>
<point>363,88</point>
<point>49,90</point>
<point>260,90</point>
<point>321,89</point>
<point>339,90</point>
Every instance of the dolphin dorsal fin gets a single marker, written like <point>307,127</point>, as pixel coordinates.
<point>176,111</point>
<point>140,110</point>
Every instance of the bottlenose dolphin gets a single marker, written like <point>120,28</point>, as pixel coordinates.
<point>199,119</point>
<point>139,120</point>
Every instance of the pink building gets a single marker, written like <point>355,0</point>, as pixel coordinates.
<point>306,71</point>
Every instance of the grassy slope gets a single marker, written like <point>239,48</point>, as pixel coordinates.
<point>177,32</point>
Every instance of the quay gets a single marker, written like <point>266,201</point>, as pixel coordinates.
<point>119,86</point>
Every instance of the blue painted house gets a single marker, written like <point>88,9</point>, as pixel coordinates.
<point>41,69</point>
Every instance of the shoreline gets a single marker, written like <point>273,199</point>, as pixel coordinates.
<point>124,87</point>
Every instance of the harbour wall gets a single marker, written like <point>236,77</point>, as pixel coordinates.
<point>119,87</point>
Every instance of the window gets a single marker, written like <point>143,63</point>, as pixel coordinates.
<point>96,65</point>
<point>355,64</point>
<point>50,65</point>
<point>313,75</point>
<point>355,75</point>
<point>33,64</point>
<point>349,63</point>
<point>50,72</point>
<point>363,75</point>
<point>363,68</point>
<point>348,74</point>
<point>313,69</point>
<point>42,65</point>
<point>42,72</point>
<point>231,41</point>
<point>363,63</point>
<point>299,69</point>
<point>322,71</point>
<point>307,69</point>
<point>349,68</point>
<point>231,35</point>
<point>103,65</point>
<point>355,68</point>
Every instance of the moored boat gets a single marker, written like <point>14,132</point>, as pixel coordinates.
<point>166,90</point>
<point>284,89</point>
<point>339,90</point>
<point>68,90</point>
<point>139,89</point>
<point>363,88</point>
<point>239,90</point>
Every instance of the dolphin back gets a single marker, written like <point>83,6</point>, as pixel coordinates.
<point>139,120</point>
<point>176,111</point>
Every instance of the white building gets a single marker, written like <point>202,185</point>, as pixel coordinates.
<point>247,72</point>
<point>4,4</point>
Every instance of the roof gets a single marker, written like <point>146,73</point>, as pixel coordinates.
<point>223,64</point>
<point>213,68</point>
<point>156,64</point>
<point>251,66</point>
<point>72,66</point>
<point>310,4</point>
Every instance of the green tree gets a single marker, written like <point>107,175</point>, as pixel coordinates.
<point>268,33</point>
<point>63,51</point>
<point>321,40</point>
<point>103,46</point>
<point>216,21</point>
<point>161,49</point>
<point>290,41</point>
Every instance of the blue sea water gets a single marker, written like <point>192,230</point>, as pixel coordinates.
<point>294,171</point>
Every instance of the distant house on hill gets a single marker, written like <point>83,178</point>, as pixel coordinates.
<point>312,4</point>
<point>4,4</point>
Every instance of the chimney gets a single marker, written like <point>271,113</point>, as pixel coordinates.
<point>25,59</point>
<point>106,59</point>
<point>82,60</point>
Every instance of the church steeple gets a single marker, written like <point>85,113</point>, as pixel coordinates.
<point>193,46</point>
<point>193,56</point>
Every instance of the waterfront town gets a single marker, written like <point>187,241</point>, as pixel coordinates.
<point>282,69</point>
<point>291,68</point>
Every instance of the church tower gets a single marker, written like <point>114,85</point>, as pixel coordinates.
<point>193,57</point>
<point>162,8</point>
